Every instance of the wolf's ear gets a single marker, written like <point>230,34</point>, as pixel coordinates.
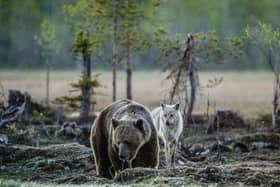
<point>115,123</point>
<point>139,124</point>
<point>177,106</point>
<point>162,105</point>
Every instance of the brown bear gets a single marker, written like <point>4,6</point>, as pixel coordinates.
<point>124,136</point>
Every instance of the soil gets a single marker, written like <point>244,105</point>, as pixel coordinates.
<point>73,164</point>
<point>243,153</point>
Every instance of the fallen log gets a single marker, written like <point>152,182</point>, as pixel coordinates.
<point>11,114</point>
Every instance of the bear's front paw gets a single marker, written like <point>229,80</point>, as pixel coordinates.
<point>129,164</point>
<point>117,175</point>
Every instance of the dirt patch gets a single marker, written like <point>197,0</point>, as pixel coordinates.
<point>254,174</point>
<point>57,163</point>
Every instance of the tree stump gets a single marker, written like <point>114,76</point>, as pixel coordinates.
<point>227,119</point>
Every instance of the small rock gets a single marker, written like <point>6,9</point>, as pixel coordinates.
<point>3,138</point>
<point>180,162</point>
<point>205,152</point>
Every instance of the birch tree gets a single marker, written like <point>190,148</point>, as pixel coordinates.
<point>267,40</point>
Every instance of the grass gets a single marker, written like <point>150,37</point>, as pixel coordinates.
<point>247,92</point>
<point>155,182</point>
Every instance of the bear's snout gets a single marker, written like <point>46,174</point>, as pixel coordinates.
<point>123,152</point>
<point>123,157</point>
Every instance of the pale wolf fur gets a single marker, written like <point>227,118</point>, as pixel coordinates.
<point>169,124</point>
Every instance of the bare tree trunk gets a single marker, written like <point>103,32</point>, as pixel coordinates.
<point>115,51</point>
<point>185,108</point>
<point>128,81</point>
<point>207,115</point>
<point>128,59</point>
<point>114,83</point>
<point>85,100</point>
<point>189,60</point>
<point>48,84</point>
<point>275,100</point>
<point>176,84</point>
<point>193,84</point>
<point>218,135</point>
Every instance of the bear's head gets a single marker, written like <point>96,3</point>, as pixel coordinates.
<point>129,136</point>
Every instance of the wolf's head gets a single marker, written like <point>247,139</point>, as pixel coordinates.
<point>170,115</point>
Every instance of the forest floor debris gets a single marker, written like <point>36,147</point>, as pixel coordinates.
<point>73,164</point>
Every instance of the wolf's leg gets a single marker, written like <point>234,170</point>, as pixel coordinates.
<point>173,152</point>
<point>167,154</point>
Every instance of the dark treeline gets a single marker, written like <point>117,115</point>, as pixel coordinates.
<point>21,19</point>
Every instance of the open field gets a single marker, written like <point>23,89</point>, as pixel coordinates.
<point>247,92</point>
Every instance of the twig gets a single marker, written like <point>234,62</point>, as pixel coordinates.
<point>176,83</point>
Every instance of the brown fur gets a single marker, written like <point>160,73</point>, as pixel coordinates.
<point>124,127</point>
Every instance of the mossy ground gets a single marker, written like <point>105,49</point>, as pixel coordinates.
<point>72,165</point>
<point>155,182</point>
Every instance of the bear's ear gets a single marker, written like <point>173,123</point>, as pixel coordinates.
<point>162,105</point>
<point>177,106</point>
<point>139,125</point>
<point>115,123</point>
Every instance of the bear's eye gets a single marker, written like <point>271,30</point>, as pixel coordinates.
<point>165,115</point>
<point>171,115</point>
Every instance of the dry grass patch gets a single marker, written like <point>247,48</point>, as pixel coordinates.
<point>247,92</point>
